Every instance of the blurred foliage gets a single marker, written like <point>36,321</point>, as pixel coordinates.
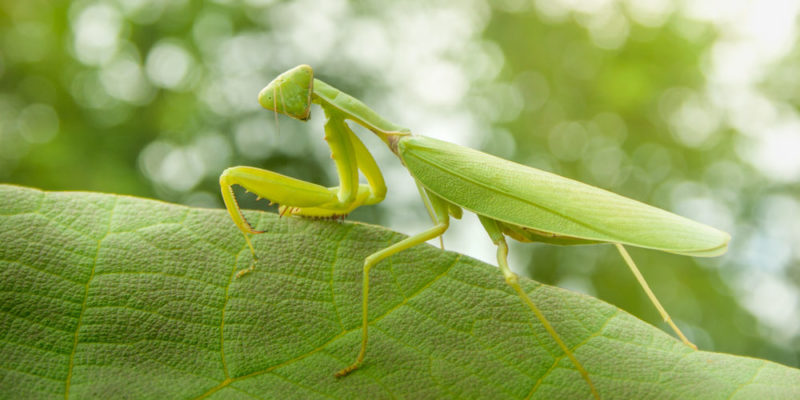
<point>155,99</point>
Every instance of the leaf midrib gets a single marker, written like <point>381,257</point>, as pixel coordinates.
<point>344,332</point>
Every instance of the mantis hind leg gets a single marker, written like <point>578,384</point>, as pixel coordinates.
<point>442,219</point>
<point>512,280</point>
<point>651,295</point>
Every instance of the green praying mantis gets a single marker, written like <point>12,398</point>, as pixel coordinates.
<point>510,200</point>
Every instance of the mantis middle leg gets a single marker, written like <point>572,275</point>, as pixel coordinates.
<point>442,219</point>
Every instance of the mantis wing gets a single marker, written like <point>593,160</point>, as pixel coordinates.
<point>532,198</point>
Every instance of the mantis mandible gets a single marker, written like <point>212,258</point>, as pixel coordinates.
<point>510,199</point>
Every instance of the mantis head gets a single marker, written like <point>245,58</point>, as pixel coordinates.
<point>290,93</point>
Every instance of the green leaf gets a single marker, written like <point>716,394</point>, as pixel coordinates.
<point>107,296</point>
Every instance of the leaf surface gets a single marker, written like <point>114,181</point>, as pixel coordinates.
<point>107,296</point>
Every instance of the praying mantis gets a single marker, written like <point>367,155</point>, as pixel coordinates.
<point>510,200</point>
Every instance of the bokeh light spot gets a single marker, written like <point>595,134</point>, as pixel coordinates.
<point>168,65</point>
<point>38,123</point>
<point>96,32</point>
<point>567,141</point>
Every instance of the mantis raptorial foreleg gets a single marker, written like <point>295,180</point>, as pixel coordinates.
<point>302,198</point>
<point>296,197</point>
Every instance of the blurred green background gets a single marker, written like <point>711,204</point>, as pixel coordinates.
<point>690,106</point>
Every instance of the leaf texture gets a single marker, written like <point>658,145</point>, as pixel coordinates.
<point>107,296</point>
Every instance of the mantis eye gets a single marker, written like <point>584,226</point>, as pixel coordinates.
<point>290,93</point>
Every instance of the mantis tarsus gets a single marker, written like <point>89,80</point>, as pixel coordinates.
<point>510,199</point>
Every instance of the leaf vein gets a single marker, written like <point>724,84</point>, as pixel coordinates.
<point>85,301</point>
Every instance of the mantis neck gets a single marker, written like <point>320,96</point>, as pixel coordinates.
<point>392,140</point>
<point>353,109</point>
